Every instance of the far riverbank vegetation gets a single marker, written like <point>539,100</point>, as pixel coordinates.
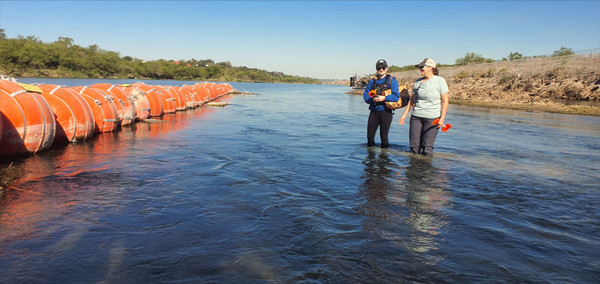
<point>30,57</point>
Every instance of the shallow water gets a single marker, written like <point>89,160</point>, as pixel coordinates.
<point>281,187</point>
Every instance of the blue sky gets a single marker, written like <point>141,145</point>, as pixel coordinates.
<point>318,39</point>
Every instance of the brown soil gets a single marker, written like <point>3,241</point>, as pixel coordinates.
<point>557,84</point>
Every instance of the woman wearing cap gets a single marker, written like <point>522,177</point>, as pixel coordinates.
<point>429,102</point>
<point>381,88</point>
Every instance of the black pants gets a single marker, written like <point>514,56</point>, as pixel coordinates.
<point>383,120</point>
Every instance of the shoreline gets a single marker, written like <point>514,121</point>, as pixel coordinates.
<point>536,106</point>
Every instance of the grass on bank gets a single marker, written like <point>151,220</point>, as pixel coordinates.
<point>9,174</point>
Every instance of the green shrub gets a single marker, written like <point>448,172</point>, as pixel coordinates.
<point>472,58</point>
<point>462,74</point>
<point>563,51</point>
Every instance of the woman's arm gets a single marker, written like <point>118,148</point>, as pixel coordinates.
<point>410,105</point>
<point>445,97</point>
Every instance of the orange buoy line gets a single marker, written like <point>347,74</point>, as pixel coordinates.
<point>34,118</point>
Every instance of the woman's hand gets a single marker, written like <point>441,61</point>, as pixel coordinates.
<point>401,120</point>
<point>440,123</point>
<point>378,99</point>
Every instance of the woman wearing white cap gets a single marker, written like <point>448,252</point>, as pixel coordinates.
<point>381,88</point>
<point>429,102</point>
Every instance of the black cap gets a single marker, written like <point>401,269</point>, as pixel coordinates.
<point>381,62</point>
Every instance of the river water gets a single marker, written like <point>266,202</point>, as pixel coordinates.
<point>281,187</point>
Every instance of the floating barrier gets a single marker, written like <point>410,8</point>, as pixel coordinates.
<point>123,101</point>
<point>82,126</point>
<point>155,98</point>
<point>35,117</point>
<point>180,99</point>
<point>106,118</point>
<point>203,92</point>
<point>1,125</point>
<point>195,96</point>
<point>28,121</point>
<point>140,101</point>
<point>169,100</point>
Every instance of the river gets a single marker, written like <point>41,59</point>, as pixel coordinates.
<point>281,187</point>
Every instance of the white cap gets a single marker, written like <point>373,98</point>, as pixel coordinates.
<point>426,62</point>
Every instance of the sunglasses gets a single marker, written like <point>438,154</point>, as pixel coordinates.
<point>381,68</point>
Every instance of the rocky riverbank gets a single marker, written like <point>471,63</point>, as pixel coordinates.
<point>568,84</point>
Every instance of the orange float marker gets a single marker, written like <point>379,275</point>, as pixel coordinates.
<point>445,127</point>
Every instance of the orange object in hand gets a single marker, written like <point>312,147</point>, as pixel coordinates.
<point>445,127</point>
<point>373,93</point>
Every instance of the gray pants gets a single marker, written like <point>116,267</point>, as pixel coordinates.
<point>422,135</point>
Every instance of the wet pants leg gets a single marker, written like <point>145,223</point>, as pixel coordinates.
<point>422,135</point>
<point>383,121</point>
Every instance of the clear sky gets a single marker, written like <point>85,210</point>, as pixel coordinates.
<point>318,39</point>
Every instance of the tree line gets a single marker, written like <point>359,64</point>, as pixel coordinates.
<point>30,57</point>
<point>472,57</point>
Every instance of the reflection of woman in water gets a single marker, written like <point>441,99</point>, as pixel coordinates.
<point>405,209</point>
<point>377,175</point>
<point>427,197</point>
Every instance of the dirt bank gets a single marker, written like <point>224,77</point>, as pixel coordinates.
<point>568,84</point>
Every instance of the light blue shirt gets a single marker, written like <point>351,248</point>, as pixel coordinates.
<point>428,102</point>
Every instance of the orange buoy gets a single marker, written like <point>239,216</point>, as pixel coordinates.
<point>169,100</point>
<point>212,88</point>
<point>203,92</point>
<point>114,101</point>
<point>122,99</point>
<point>139,100</point>
<point>1,125</point>
<point>157,105</point>
<point>196,97</point>
<point>106,118</point>
<point>14,127</point>
<point>225,88</point>
<point>179,97</point>
<point>28,121</point>
<point>83,126</point>
<point>190,97</point>
<point>64,118</point>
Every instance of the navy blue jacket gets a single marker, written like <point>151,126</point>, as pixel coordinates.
<point>394,97</point>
